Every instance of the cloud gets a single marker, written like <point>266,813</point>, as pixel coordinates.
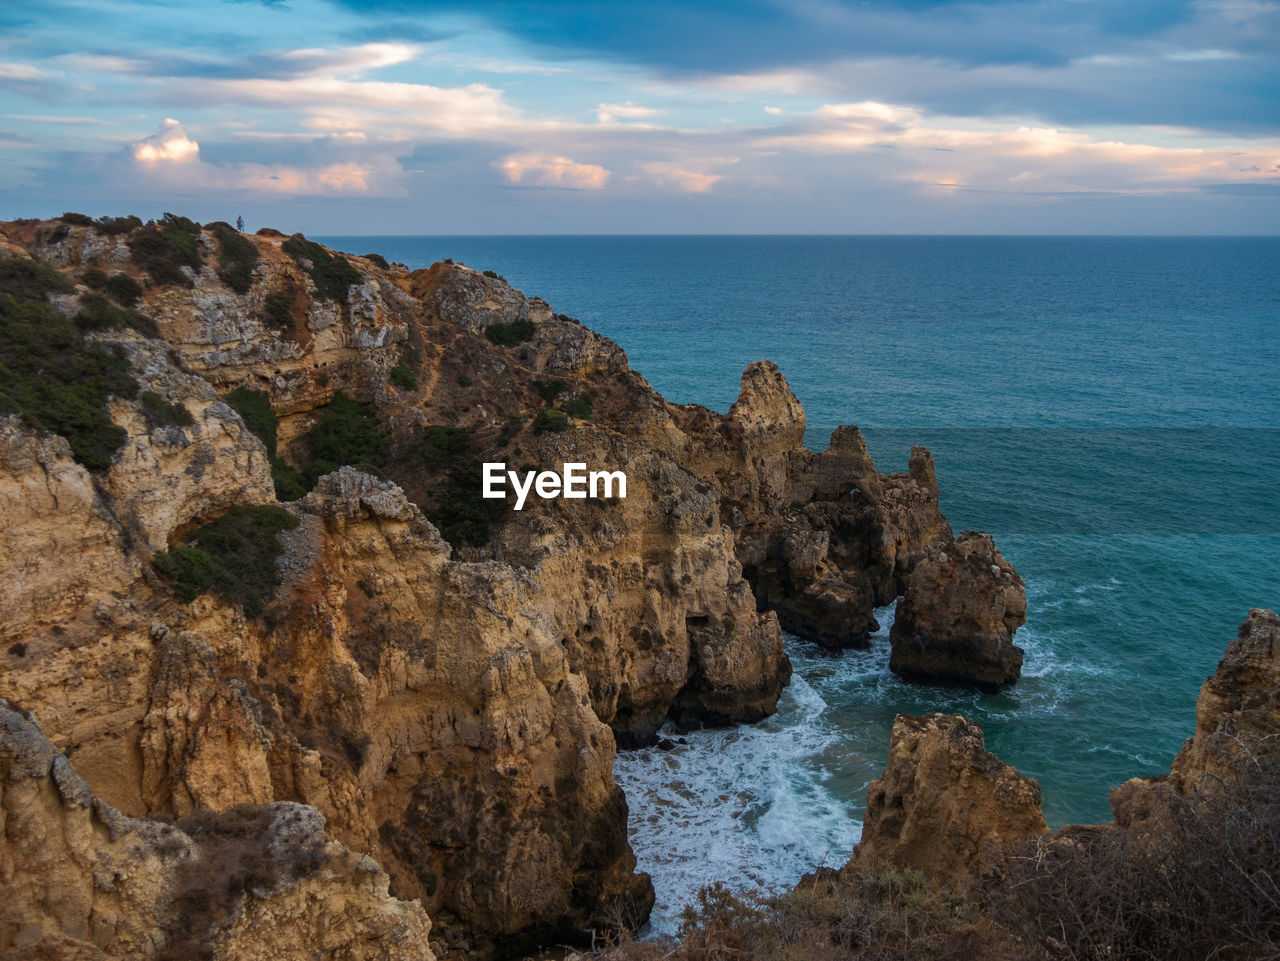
<point>1020,158</point>
<point>692,175</point>
<point>544,170</point>
<point>347,60</point>
<point>170,145</point>
<point>172,159</point>
<point>399,108</point>
<point>19,71</point>
<point>610,112</point>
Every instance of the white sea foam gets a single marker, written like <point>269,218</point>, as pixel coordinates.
<point>750,806</point>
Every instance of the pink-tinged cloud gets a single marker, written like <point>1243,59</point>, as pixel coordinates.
<point>986,155</point>
<point>171,158</point>
<point>692,175</point>
<point>545,170</point>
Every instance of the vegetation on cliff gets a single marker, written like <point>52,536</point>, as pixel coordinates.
<point>163,249</point>
<point>254,407</point>
<point>238,257</point>
<point>331,273</point>
<point>346,433</point>
<point>49,373</point>
<point>233,557</point>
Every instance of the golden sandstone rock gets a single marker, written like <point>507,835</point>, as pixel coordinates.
<point>449,710</point>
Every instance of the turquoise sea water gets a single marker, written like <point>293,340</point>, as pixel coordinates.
<point>1109,409</point>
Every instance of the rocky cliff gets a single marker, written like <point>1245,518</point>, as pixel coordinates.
<point>247,564</point>
<point>949,808</point>
<point>83,880</point>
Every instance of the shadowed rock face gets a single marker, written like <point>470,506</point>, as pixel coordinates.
<point>945,805</point>
<point>955,623</point>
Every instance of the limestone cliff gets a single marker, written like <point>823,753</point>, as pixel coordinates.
<point>449,707</point>
<point>82,880</point>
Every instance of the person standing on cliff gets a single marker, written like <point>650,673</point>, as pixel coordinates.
<point>240,224</point>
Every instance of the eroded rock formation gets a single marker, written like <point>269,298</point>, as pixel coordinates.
<point>1237,725</point>
<point>82,880</point>
<point>956,621</point>
<point>946,805</point>
<point>450,710</point>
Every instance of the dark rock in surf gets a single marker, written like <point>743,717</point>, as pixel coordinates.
<point>955,623</point>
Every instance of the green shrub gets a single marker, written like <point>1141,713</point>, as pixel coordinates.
<point>237,258</point>
<point>551,420</point>
<point>464,380</point>
<point>254,408</point>
<point>457,509</point>
<point>94,279</point>
<point>346,434</point>
<point>98,313</point>
<point>462,515</point>
<point>290,485</point>
<point>76,220</point>
<point>549,390</point>
<point>578,407</point>
<point>509,335</point>
<point>164,249</point>
<point>233,557</point>
<point>332,274</point>
<point>58,381</point>
<point>378,261</point>
<point>437,446</point>
<point>27,280</point>
<point>403,378</point>
<point>163,413</point>
<point>277,309</point>
<point>117,225</point>
<point>124,290</point>
<point>57,234</point>
<point>494,275</point>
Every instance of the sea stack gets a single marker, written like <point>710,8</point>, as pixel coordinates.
<point>955,623</point>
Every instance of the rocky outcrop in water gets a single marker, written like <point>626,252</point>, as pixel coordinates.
<point>1237,726</point>
<point>948,807</point>
<point>955,623</point>
<point>945,805</point>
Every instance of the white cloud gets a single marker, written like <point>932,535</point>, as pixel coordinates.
<point>545,170</point>
<point>611,112</point>
<point>474,110</point>
<point>19,71</point>
<point>349,60</point>
<point>170,145</point>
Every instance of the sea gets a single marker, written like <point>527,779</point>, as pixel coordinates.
<point>1107,408</point>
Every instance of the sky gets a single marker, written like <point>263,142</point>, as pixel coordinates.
<point>707,116</point>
